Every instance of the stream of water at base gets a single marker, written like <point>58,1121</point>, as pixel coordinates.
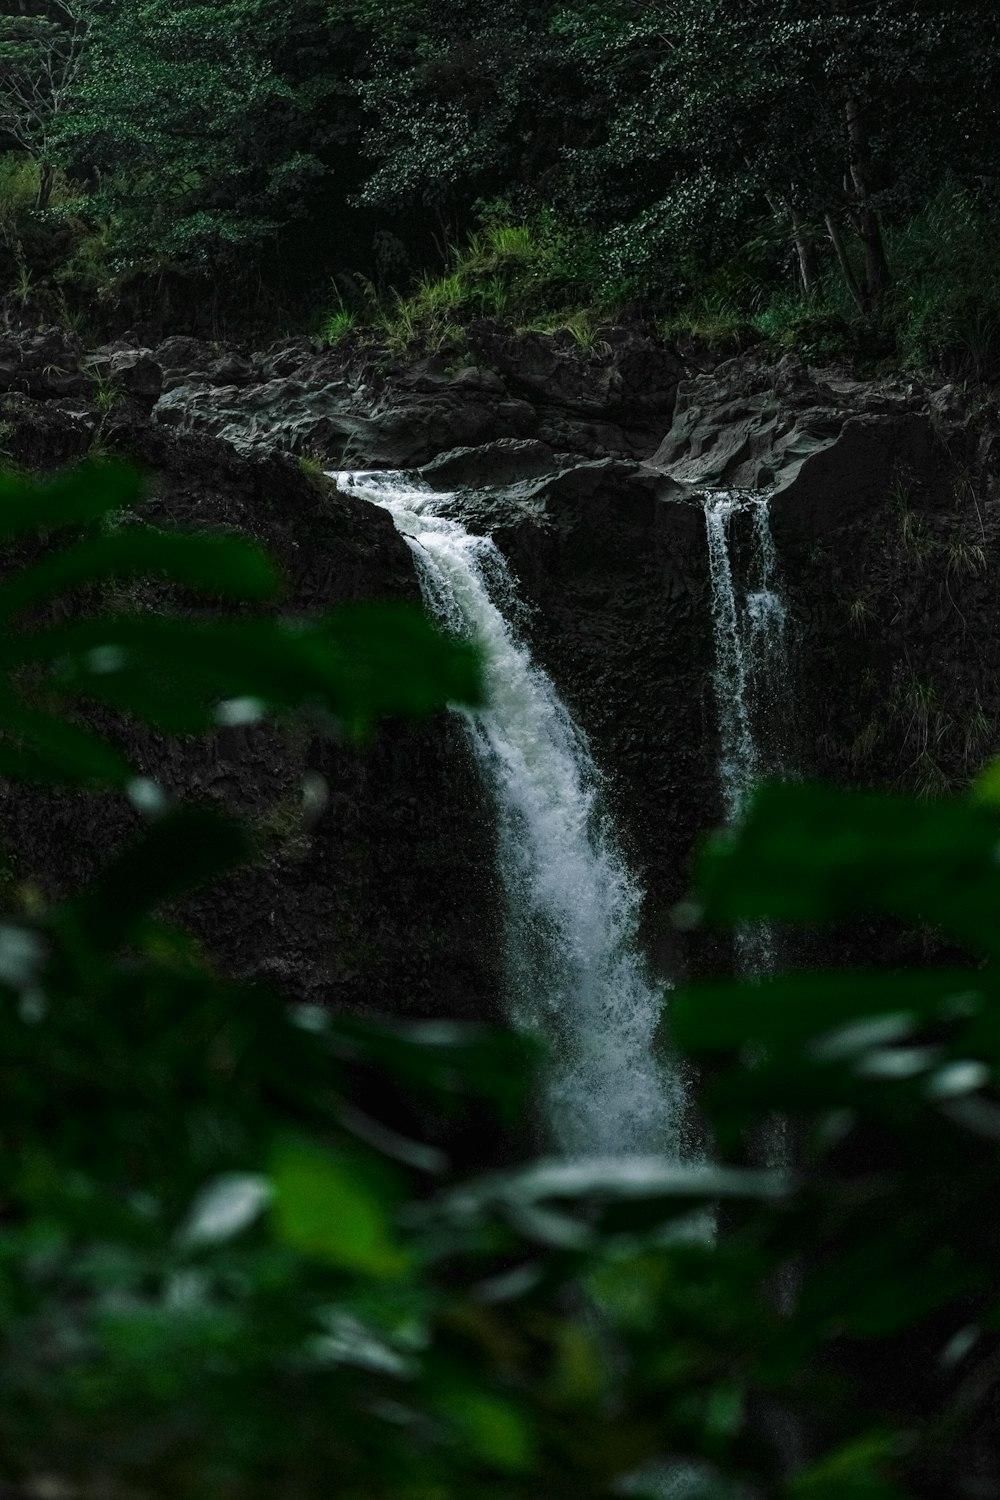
<point>576,975</point>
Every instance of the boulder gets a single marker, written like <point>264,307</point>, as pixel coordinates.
<point>284,358</point>
<point>826,448</point>
<point>180,357</point>
<point>231,369</point>
<point>506,461</point>
<point>137,373</point>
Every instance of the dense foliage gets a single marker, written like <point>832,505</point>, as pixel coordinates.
<point>236,1256</point>
<point>225,1269</point>
<point>730,164</point>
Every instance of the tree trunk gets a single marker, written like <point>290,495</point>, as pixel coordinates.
<point>877,274</point>
<point>45,179</point>
<point>805,249</point>
<point>846,269</point>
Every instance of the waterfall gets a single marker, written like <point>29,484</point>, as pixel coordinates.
<point>751,677</point>
<point>575,973</point>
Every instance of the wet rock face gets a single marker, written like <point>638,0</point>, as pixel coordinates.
<point>619,580</point>
<point>827,448</point>
<point>611,561</point>
<point>612,555</point>
<point>383,899</point>
<point>613,400</point>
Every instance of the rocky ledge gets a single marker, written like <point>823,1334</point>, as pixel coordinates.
<point>589,467</point>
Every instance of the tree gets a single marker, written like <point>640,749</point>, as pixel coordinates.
<point>203,146</point>
<point>467,103</point>
<point>829,115</point>
<point>42,62</point>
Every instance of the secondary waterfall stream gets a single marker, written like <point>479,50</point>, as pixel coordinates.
<point>576,974</point>
<point>751,649</point>
<point>751,677</point>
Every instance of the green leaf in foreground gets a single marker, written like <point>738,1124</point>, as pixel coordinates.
<point>389,659</point>
<point>337,1207</point>
<point>817,853</point>
<point>790,1010</point>
<point>494,1429</point>
<point>38,746</point>
<point>84,494</point>
<point>221,566</point>
<point>183,850</point>
<point>182,675</point>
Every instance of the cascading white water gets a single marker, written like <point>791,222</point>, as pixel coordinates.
<point>751,676</point>
<point>576,974</point>
<point>751,651</point>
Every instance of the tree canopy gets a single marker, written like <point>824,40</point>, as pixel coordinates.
<point>681,139</point>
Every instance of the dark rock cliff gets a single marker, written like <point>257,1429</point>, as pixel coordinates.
<point>383,901</point>
<point>589,468</point>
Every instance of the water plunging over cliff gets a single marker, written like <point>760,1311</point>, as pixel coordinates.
<point>751,650</point>
<point>576,975</point>
<point>751,676</point>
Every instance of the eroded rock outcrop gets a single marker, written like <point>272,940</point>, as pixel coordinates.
<point>827,447</point>
<point>886,538</point>
<point>359,411</point>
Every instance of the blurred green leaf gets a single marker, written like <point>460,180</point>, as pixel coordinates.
<point>791,1009</point>
<point>183,850</point>
<point>337,1207</point>
<point>86,493</point>
<point>851,1472</point>
<point>175,671</point>
<point>814,854</point>
<point>37,746</point>
<point>226,566</point>
<point>444,1058</point>
<point>389,659</point>
<point>182,675</point>
<point>986,787</point>
<point>569,1205</point>
<point>494,1429</point>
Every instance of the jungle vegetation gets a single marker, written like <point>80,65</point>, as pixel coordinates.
<point>819,174</point>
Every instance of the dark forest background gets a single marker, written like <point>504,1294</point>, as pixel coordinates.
<point>820,174</point>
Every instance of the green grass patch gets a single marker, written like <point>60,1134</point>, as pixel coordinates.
<point>532,275</point>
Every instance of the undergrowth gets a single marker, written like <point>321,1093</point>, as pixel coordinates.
<point>532,276</point>
<point>942,310</point>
